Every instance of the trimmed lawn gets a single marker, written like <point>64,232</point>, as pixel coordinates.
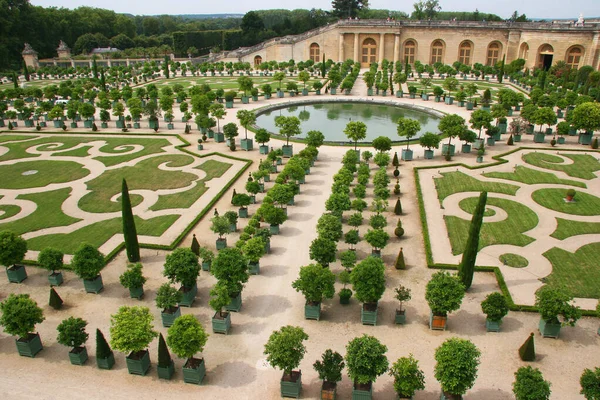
<point>9,210</point>
<point>554,199</point>
<point>47,172</point>
<point>533,177</point>
<point>513,260</point>
<point>457,182</point>
<point>468,205</point>
<point>7,138</point>
<point>578,272</point>
<point>509,231</point>
<point>567,228</point>
<point>583,165</point>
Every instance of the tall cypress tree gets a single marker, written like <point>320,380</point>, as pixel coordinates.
<point>166,66</point>
<point>195,246</point>
<point>25,71</point>
<point>15,80</point>
<point>131,241</point>
<point>466,269</point>
<point>323,66</point>
<point>95,68</point>
<point>501,73</point>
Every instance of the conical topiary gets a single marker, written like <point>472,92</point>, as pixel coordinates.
<point>527,349</point>
<point>195,246</point>
<point>399,231</point>
<point>10,126</point>
<point>55,301</point>
<point>103,349</point>
<point>397,187</point>
<point>233,195</point>
<point>466,268</point>
<point>164,358</point>
<point>398,207</point>
<point>510,140</point>
<point>132,245</point>
<point>400,264</point>
<point>395,161</point>
<point>595,143</point>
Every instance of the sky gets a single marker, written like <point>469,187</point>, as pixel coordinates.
<point>504,8</point>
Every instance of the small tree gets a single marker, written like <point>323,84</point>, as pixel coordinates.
<point>330,366</point>
<point>451,126</point>
<point>51,259</point>
<point>254,249</point>
<point>182,266</point>
<point>480,119</point>
<point>71,332</point>
<point>430,140</point>
<point>230,266</point>
<point>408,128</point>
<point>456,365</point>
<point>323,250</point>
<point>20,314</point>
<point>368,280</point>
<point>314,138</point>
<point>408,378</point>
<point>329,226</point>
<point>288,127</point>
<point>315,283</point>
<point>444,293</point>
<point>553,303</point>
<point>220,225</point>
<point>132,277</point>
<point>186,337</point>
<point>231,131</point>
<point>352,238</point>
<point>377,238</point>
<point>219,298</point>
<point>246,118</point>
<point>590,384</point>
<point>529,384</point>
<point>167,297</point>
<point>355,131</point>
<point>12,248</point>
<point>495,306</point>
<point>131,329</point>
<point>285,349</point>
<point>365,359</point>
<point>87,262</point>
<point>402,295</point>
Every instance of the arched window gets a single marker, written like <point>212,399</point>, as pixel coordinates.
<point>524,51</point>
<point>493,54</point>
<point>369,51</point>
<point>257,61</point>
<point>315,52</point>
<point>437,52</point>
<point>464,53</point>
<point>574,55</point>
<point>410,48</point>
<point>545,56</point>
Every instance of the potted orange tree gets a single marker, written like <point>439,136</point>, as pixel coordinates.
<point>220,298</point>
<point>87,264</point>
<point>167,299</point>
<point>366,360</point>
<point>284,350</point>
<point>329,369</point>
<point>230,267</point>
<point>456,355</point>
<point>368,281</point>
<point>71,332</point>
<point>12,252</point>
<point>555,304</point>
<point>408,378</point>
<point>52,260</point>
<point>133,280</point>
<point>444,294</point>
<point>182,266</point>
<point>186,337</point>
<point>315,283</point>
<point>402,295</point>
<point>495,307</point>
<point>20,314</point>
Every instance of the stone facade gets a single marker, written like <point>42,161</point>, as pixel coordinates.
<point>428,41</point>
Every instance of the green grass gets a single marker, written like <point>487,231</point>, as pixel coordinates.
<point>48,172</point>
<point>509,231</point>
<point>143,175</point>
<point>578,272</point>
<point>533,177</point>
<point>513,260</point>
<point>468,205</point>
<point>457,182</point>
<point>9,210</point>
<point>566,228</point>
<point>48,213</point>
<point>98,233</point>
<point>583,165</point>
<point>8,138</point>
<point>584,204</point>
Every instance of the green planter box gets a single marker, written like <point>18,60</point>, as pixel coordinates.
<point>136,293</point>
<point>274,229</point>
<point>549,329</point>
<point>539,137</point>
<point>333,91</point>
<point>263,149</point>
<point>466,148</point>
<point>194,375</point>
<point>492,326</point>
<point>205,266</point>
<point>166,372</point>
<point>219,137</point>
<point>73,125</point>
<point>222,324</point>
<point>280,94</point>
<point>221,243</point>
<point>140,364</point>
<point>78,356</point>
<point>57,123</point>
<point>254,98</point>
<point>279,161</point>
<point>106,363</point>
<point>55,279</point>
<point>88,124</point>
<point>170,126</point>
<point>93,285</point>
<point>304,92</point>
<point>16,273</point>
<point>232,228</point>
<point>497,136</point>
<point>120,124</point>
<point>368,317</point>
<point>449,100</point>
<point>312,311</point>
<point>228,104</point>
<point>188,296</point>
<point>425,97</point>
<point>561,140</point>
<point>478,144</point>
<point>369,91</point>
<point>245,100</point>
<point>400,317</point>
<point>572,132</point>
<point>168,318</point>
<point>29,124</point>
<point>479,159</point>
<point>254,268</point>
<point>292,388</point>
<point>136,125</point>
<point>361,394</point>
<point>529,129</point>
<point>516,138</point>
<point>235,304</point>
<point>407,155</point>
<point>243,212</point>
<point>153,124</point>
<point>502,128</point>
<point>29,346</point>
<point>246,144</point>
<point>585,138</point>
<point>288,150</point>
<point>428,154</point>
<point>491,141</point>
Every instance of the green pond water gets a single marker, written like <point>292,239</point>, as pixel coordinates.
<point>332,118</point>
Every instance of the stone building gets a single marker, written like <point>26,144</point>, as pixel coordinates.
<point>540,44</point>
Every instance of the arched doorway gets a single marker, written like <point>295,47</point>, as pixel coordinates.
<point>574,56</point>
<point>545,56</point>
<point>410,49</point>
<point>464,52</point>
<point>493,54</point>
<point>369,52</point>
<point>315,53</point>
<point>257,61</point>
<point>437,52</point>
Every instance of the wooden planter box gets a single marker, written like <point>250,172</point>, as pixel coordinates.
<point>407,155</point>
<point>368,317</point>
<point>328,390</point>
<point>362,393</point>
<point>219,137</point>
<point>138,364</point>
<point>400,317</point>
<point>274,229</point>
<point>222,324</point>
<point>78,355</point>
<point>188,295</point>
<point>312,311</point>
<point>16,273</point>
<point>293,387</point>
<point>136,293</point>
<point>549,329</point>
<point>561,140</point>
<point>194,375</point>
<point>55,279</point>
<point>428,154</point>
<point>106,363</point>
<point>235,304</point>
<point>254,268</point>
<point>243,212</point>
<point>448,149</point>
<point>288,150</point>
<point>585,138</point>
<point>29,346</point>
<point>168,318</point>
<point>539,137</point>
<point>437,322</point>
<point>93,285</point>
<point>205,266</point>
<point>166,372</point>
<point>246,144</point>
<point>466,148</point>
<point>232,228</point>
<point>492,326</point>
<point>221,244</point>
<point>262,149</point>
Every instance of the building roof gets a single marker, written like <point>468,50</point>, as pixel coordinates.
<point>102,50</point>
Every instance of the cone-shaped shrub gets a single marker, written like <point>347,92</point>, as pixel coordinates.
<point>195,246</point>
<point>400,264</point>
<point>129,232</point>
<point>527,349</point>
<point>399,231</point>
<point>55,301</point>
<point>595,143</point>
<point>398,207</point>
<point>103,350</point>
<point>395,161</point>
<point>466,269</point>
<point>164,357</point>
<point>510,140</point>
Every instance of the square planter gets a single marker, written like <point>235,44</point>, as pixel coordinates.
<point>428,154</point>
<point>232,228</point>
<point>205,266</point>
<point>166,372</point>
<point>106,363</point>
<point>87,124</point>
<point>235,304</point>
<point>263,149</point>
<point>16,273</point>
<point>585,138</point>
<point>228,104</point>
<point>329,391</point>
<point>245,100</point>
<point>502,128</point>
<point>219,137</point>
<point>104,125</point>
<point>362,392</point>
<point>274,229</point>
<point>246,144</point>
<point>57,123</point>
<point>334,91</point>
<point>437,322</point>
<point>243,212</point>
<point>490,141</point>
<point>138,363</point>
<point>120,124</point>
<point>407,155</point>
<point>466,148</point>
<point>168,318</point>
<point>293,386</point>
<point>189,295</point>
<point>312,311</point>
<point>478,144</point>
<point>221,323</point>
<point>93,285</point>
<point>78,356</point>
<point>449,100</point>
<point>288,150</point>
<point>561,140</point>
<point>492,326</point>
<point>195,374</point>
<point>29,346</point>
<point>136,293</point>
<point>549,329</point>
<point>221,244</point>
<point>368,317</point>
<point>400,317</point>
<point>55,279</point>
<point>516,138</point>
<point>254,268</point>
<point>539,137</point>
